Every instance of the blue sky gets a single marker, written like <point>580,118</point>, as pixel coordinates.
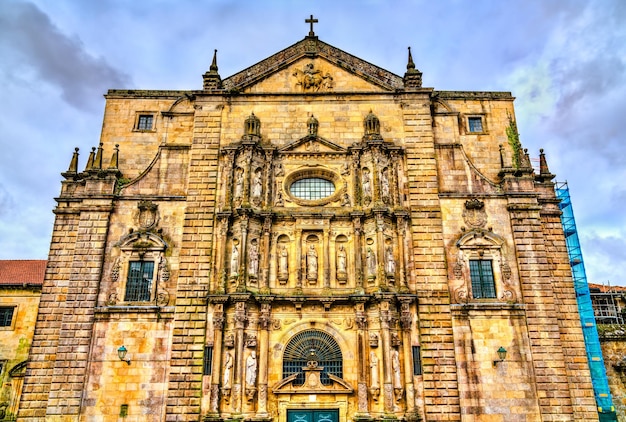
<point>564,60</point>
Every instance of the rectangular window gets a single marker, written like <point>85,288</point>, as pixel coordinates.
<point>144,122</point>
<point>481,273</point>
<point>139,284</point>
<point>6,315</point>
<point>208,360</point>
<point>417,361</point>
<point>475,124</point>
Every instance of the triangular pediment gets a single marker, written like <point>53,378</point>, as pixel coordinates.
<point>312,66</point>
<point>311,144</point>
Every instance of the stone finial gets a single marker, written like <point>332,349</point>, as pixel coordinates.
<point>212,79</point>
<point>252,127</point>
<point>544,171</point>
<point>312,125</point>
<point>73,168</point>
<point>97,164</point>
<point>371,126</point>
<point>412,77</point>
<point>543,163</point>
<point>115,158</point>
<point>410,65</point>
<point>91,159</point>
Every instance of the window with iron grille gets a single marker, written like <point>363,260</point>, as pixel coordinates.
<point>417,361</point>
<point>6,315</point>
<point>144,122</point>
<point>312,345</point>
<point>208,360</point>
<point>475,124</point>
<point>139,284</point>
<point>483,284</point>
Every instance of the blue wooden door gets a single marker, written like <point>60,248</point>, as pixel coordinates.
<point>313,415</point>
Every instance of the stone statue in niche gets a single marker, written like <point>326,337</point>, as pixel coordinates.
<point>278,170</point>
<point>375,383</point>
<point>384,184</point>
<point>341,259</point>
<point>370,261</point>
<point>390,264</point>
<point>234,261</point>
<point>345,200</point>
<point>311,264</point>
<point>345,170</point>
<point>251,367</point>
<point>283,264</point>
<point>279,199</point>
<point>257,188</point>
<point>342,264</point>
<point>395,367</point>
<point>228,366</point>
<point>238,183</point>
<point>253,260</point>
<point>367,188</point>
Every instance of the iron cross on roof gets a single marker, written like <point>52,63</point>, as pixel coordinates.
<point>311,21</point>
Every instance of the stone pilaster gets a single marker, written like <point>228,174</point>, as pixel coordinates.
<point>188,340</point>
<point>428,270</point>
<point>36,388</point>
<point>552,384</point>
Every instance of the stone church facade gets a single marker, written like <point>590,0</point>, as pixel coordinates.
<point>311,239</point>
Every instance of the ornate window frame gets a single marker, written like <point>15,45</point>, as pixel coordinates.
<point>319,173</point>
<point>146,247</point>
<point>480,244</point>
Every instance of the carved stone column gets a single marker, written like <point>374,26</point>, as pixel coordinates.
<point>216,365</point>
<point>385,320</point>
<point>394,184</point>
<point>401,231</point>
<point>406,321</point>
<point>220,276</point>
<point>240,322</point>
<point>247,174</point>
<point>243,260</point>
<point>301,273</point>
<point>375,175</point>
<point>362,358</point>
<point>227,169</point>
<point>380,243</point>
<point>265,318</point>
<point>356,183</point>
<point>326,243</point>
<point>268,177</point>
<point>265,266</point>
<point>358,252</point>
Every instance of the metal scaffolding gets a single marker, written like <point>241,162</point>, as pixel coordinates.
<point>599,379</point>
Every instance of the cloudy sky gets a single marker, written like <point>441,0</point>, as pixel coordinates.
<point>564,60</point>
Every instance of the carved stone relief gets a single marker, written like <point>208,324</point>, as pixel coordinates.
<point>312,79</point>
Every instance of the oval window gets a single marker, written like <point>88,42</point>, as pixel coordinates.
<point>312,188</point>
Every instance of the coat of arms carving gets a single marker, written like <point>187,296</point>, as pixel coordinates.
<point>147,216</point>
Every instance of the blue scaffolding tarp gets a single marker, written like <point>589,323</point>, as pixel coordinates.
<point>587,318</point>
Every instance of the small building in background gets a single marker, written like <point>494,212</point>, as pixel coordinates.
<point>20,290</point>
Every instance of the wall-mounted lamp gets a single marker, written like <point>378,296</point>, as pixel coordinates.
<point>121,353</point>
<point>501,355</point>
